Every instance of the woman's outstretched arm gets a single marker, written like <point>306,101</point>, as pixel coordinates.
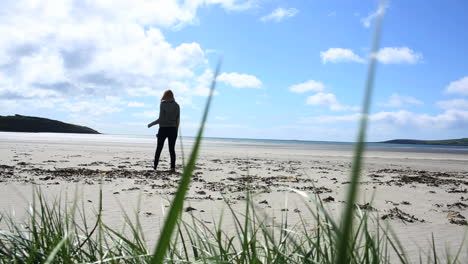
<point>178,117</point>
<point>155,122</point>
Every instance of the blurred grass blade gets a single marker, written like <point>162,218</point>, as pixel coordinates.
<point>347,217</point>
<point>56,249</point>
<point>178,201</point>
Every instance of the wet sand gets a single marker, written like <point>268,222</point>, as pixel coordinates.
<point>416,192</point>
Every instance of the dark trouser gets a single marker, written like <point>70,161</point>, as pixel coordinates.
<point>171,134</point>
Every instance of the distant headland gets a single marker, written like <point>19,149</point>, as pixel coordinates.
<point>448,142</point>
<point>19,123</point>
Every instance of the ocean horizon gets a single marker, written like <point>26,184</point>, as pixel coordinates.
<point>233,142</point>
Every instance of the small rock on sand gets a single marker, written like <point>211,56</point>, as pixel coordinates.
<point>189,209</point>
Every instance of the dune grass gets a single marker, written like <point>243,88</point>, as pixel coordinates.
<point>57,233</point>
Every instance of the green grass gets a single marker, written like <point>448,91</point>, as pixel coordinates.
<point>57,233</point>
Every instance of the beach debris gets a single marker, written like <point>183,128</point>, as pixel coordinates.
<point>284,210</point>
<point>89,182</point>
<point>405,203</point>
<point>328,199</point>
<point>458,205</point>
<point>366,206</point>
<point>429,178</point>
<point>297,210</point>
<point>200,192</point>
<point>396,213</point>
<point>208,197</point>
<point>391,202</point>
<point>115,193</point>
<point>457,190</point>
<point>263,202</point>
<point>314,189</point>
<point>456,218</point>
<point>148,213</point>
<point>190,209</point>
<point>239,197</point>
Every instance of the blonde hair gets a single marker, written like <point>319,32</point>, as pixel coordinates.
<point>168,94</point>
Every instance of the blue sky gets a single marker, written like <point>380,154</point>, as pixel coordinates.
<point>291,69</point>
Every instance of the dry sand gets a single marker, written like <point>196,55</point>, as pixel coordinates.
<point>416,192</point>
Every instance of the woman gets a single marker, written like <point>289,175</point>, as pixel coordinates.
<point>169,118</point>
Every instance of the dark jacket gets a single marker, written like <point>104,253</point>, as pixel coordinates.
<point>169,114</point>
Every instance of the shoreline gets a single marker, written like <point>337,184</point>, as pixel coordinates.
<point>104,139</point>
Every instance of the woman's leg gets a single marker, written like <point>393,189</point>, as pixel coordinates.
<point>161,138</point>
<point>172,141</point>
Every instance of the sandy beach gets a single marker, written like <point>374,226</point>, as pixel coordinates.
<point>416,191</point>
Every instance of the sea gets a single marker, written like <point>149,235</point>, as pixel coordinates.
<point>68,138</point>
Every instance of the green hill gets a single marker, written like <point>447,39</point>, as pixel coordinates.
<point>448,142</point>
<point>19,123</point>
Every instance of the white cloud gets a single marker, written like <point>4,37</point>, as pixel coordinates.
<point>135,124</point>
<point>240,80</point>
<point>329,100</point>
<point>387,55</point>
<point>234,5</point>
<point>398,55</point>
<point>203,82</point>
<point>150,114</point>
<point>145,91</point>
<point>331,119</point>
<point>335,55</point>
<point>450,118</point>
<point>95,108</point>
<point>84,50</point>
<point>310,85</point>
<point>93,58</point>
<point>402,119</point>
<point>397,100</point>
<point>453,104</point>
<point>366,21</point>
<point>279,14</point>
<point>135,104</point>
<point>458,87</point>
